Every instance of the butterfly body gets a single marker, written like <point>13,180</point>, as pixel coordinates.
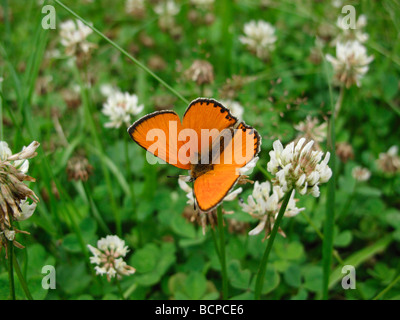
<point>209,142</point>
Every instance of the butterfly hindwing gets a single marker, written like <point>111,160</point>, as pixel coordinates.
<point>212,187</point>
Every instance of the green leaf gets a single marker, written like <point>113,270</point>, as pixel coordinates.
<point>72,279</point>
<point>244,296</point>
<point>236,249</point>
<point>312,278</point>
<point>302,294</point>
<point>183,228</point>
<point>359,257</point>
<point>367,191</point>
<point>390,86</point>
<point>343,239</point>
<point>71,243</point>
<point>291,251</point>
<point>195,285</point>
<point>151,262</point>
<point>238,278</point>
<point>271,280</point>
<point>292,276</point>
<point>393,218</point>
<point>144,260</point>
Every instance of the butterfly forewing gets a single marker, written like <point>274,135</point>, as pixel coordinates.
<point>158,134</point>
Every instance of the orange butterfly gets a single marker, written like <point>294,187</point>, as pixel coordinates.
<point>210,142</point>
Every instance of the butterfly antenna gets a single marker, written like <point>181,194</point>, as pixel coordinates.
<point>173,177</point>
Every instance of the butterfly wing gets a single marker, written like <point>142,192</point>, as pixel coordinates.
<point>157,133</point>
<point>207,114</point>
<point>242,147</point>
<point>212,187</point>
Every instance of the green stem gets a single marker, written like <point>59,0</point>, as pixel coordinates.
<point>22,279</point>
<point>125,53</point>
<point>130,290</point>
<point>264,261</point>
<point>10,251</point>
<point>129,173</point>
<point>121,293</point>
<point>222,253</point>
<point>339,102</point>
<point>327,244</point>
<point>215,244</point>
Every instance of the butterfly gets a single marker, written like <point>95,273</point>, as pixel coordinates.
<point>209,142</point>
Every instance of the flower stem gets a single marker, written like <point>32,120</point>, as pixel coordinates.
<point>264,261</point>
<point>215,244</point>
<point>21,279</point>
<point>222,253</point>
<point>339,101</point>
<point>10,251</point>
<point>121,293</point>
<point>327,243</point>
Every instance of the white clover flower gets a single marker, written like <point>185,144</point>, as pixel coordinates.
<point>235,107</point>
<point>248,168</point>
<point>27,209</point>
<point>14,192</point>
<point>5,151</point>
<point>361,174</point>
<point>311,129</point>
<point>107,89</point>
<point>167,8</point>
<point>264,204</point>
<point>166,11</point>
<point>73,37</point>
<point>349,34</point>
<point>389,161</point>
<point>27,152</point>
<point>351,63</point>
<point>298,167</point>
<point>120,107</point>
<point>202,3</point>
<point>135,7</point>
<point>337,3</point>
<point>9,234</point>
<point>108,256</point>
<point>259,38</point>
<point>20,159</point>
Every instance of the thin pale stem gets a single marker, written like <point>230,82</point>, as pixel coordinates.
<point>339,101</point>
<point>264,261</point>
